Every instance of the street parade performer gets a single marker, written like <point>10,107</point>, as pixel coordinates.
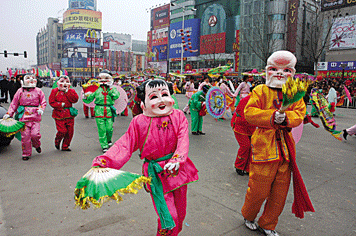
<point>196,104</point>
<point>273,149</point>
<point>161,134</point>
<point>29,103</point>
<point>243,132</point>
<point>62,99</point>
<point>190,90</point>
<point>105,112</point>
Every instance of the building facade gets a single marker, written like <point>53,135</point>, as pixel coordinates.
<point>49,42</point>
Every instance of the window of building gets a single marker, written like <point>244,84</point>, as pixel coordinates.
<point>278,17</point>
<point>59,29</point>
<point>275,36</point>
<point>59,46</point>
<point>59,37</point>
<point>256,6</point>
<point>248,9</point>
<point>59,56</point>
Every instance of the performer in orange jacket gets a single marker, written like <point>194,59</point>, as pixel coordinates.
<point>273,149</point>
<point>243,132</point>
<point>62,99</point>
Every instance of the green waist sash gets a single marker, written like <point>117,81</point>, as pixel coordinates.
<point>154,169</point>
<point>73,111</point>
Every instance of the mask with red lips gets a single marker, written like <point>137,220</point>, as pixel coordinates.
<point>280,66</point>
<point>63,83</point>
<point>29,81</point>
<point>158,101</point>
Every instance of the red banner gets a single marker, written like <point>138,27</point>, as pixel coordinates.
<point>236,49</point>
<point>99,62</point>
<point>212,43</point>
<point>337,74</point>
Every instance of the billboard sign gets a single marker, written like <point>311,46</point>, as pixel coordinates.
<point>82,19</point>
<point>117,42</point>
<point>82,4</point>
<point>76,38</point>
<point>160,36</point>
<point>74,62</point>
<point>161,66</point>
<point>159,53</point>
<point>212,43</point>
<point>175,43</point>
<point>99,62</point>
<point>336,65</point>
<point>322,65</point>
<point>327,5</point>
<point>343,33</point>
<point>213,20</point>
<point>160,17</point>
<point>292,25</point>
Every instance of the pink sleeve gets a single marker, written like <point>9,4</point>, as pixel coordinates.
<point>15,103</point>
<point>181,153</point>
<point>120,153</point>
<point>228,91</point>
<point>43,102</point>
<point>238,89</point>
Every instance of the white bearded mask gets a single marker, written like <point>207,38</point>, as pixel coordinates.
<point>63,83</point>
<point>158,101</point>
<point>29,81</point>
<point>105,79</point>
<point>280,66</point>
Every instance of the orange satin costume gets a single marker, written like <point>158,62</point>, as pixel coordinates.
<point>270,172</point>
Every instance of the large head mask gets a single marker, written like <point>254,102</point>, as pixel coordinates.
<point>29,81</point>
<point>105,78</point>
<point>63,83</point>
<point>156,97</point>
<point>280,66</point>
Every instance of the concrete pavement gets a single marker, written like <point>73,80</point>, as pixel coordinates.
<point>36,197</point>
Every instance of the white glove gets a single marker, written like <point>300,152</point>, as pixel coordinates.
<point>170,166</point>
<point>66,90</point>
<point>63,104</point>
<point>6,116</point>
<point>279,117</point>
<point>40,111</point>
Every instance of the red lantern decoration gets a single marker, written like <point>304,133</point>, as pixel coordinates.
<point>182,38</point>
<point>189,43</point>
<point>187,31</point>
<point>181,30</point>
<point>190,47</point>
<point>182,34</point>
<point>188,39</point>
<point>186,49</point>
<point>188,35</point>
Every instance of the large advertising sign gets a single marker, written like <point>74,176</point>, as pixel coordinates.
<point>161,66</point>
<point>159,53</point>
<point>82,19</point>
<point>99,62</point>
<point>213,20</point>
<point>74,62</point>
<point>76,38</point>
<point>327,5</point>
<point>191,26</point>
<point>212,43</point>
<point>343,33</point>
<point>160,36</point>
<point>160,17</point>
<point>82,4</point>
<point>292,25</point>
<point>336,65</point>
<point>117,42</point>
<point>337,74</point>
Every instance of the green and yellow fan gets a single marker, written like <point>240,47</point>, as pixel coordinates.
<point>10,126</point>
<point>99,185</point>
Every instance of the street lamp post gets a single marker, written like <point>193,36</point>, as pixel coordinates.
<point>343,66</point>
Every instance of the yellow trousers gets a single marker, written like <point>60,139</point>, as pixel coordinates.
<point>268,181</point>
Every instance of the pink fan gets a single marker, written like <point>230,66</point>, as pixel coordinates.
<point>121,102</point>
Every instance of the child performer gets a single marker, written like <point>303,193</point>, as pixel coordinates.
<point>105,97</point>
<point>161,135</point>
<point>243,132</point>
<point>195,104</point>
<point>273,148</point>
<point>62,99</point>
<point>29,102</point>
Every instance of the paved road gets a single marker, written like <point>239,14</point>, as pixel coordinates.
<point>36,197</point>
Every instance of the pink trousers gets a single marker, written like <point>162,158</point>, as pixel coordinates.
<point>351,130</point>
<point>30,137</point>
<point>177,205</point>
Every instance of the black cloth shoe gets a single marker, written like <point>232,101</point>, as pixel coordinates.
<point>110,143</point>
<point>57,146</point>
<point>25,158</point>
<point>345,134</point>
<point>105,150</point>
<point>240,172</point>
<point>39,150</point>
<point>67,150</point>
<point>86,117</point>
<point>201,133</point>
<point>195,133</point>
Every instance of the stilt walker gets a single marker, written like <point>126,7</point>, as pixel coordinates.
<point>105,112</point>
<point>62,99</point>
<point>273,148</point>
<point>161,135</point>
<point>29,103</point>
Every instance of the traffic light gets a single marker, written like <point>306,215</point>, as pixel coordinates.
<point>5,53</point>
<point>16,54</point>
<point>25,54</point>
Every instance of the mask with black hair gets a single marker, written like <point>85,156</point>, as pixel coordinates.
<point>155,96</point>
<point>105,78</point>
<point>29,81</point>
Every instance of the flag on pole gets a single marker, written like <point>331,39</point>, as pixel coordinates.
<point>15,73</point>
<point>65,72</point>
<point>10,72</point>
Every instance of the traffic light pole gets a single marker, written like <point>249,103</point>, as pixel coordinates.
<point>14,53</point>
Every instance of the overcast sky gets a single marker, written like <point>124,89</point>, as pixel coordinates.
<point>21,20</point>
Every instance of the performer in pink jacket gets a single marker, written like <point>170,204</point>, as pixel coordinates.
<point>161,135</point>
<point>190,90</point>
<point>29,103</point>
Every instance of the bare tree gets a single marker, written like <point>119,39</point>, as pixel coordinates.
<point>316,30</point>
